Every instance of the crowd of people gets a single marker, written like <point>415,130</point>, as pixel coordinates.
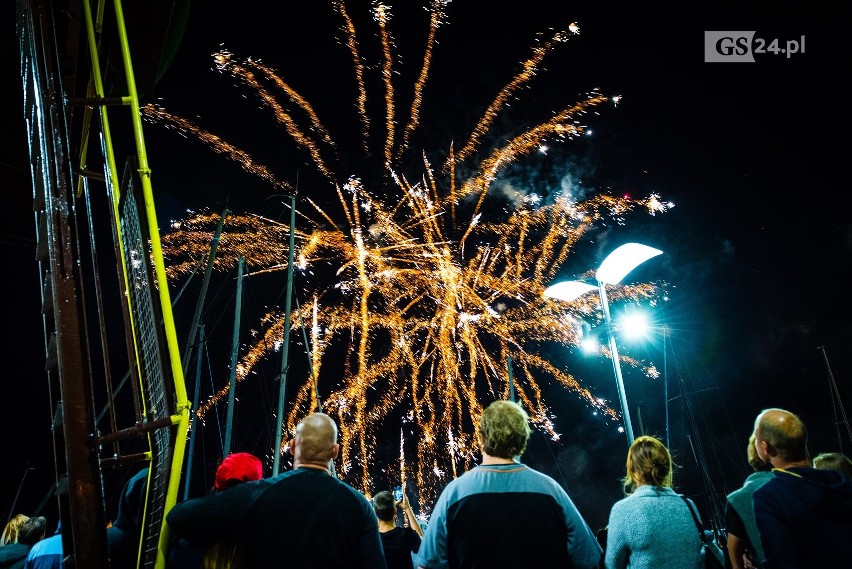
<point>792,511</point>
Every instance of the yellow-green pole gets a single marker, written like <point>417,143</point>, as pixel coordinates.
<point>181,418</point>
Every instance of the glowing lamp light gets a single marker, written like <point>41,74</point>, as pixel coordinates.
<point>634,325</point>
<point>614,267</point>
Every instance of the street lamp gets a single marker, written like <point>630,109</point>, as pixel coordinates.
<point>613,268</point>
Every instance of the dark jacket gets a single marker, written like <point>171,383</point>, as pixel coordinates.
<point>301,519</point>
<point>13,555</point>
<point>804,517</point>
<point>124,535</point>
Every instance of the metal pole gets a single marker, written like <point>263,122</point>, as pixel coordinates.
<point>18,493</point>
<point>285,347</point>
<point>616,365</point>
<point>205,283</point>
<point>666,381</point>
<point>511,378</point>
<point>836,402</point>
<point>193,424</point>
<point>235,348</point>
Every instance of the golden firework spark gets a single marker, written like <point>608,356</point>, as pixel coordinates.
<point>429,295</point>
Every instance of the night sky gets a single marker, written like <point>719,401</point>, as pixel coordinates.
<point>756,249</point>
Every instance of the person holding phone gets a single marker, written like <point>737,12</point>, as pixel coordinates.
<point>400,543</point>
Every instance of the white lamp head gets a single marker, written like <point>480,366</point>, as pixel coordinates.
<point>568,290</point>
<point>623,260</point>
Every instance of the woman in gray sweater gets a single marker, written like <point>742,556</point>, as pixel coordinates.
<point>652,527</point>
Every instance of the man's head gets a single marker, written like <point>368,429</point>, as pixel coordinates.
<point>315,442</point>
<point>384,505</point>
<point>131,507</point>
<point>504,430</point>
<point>757,464</point>
<point>780,437</point>
<point>32,530</point>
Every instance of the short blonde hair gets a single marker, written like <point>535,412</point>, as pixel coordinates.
<point>754,460</point>
<point>10,532</point>
<point>649,463</point>
<point>504,429</point>
<point>834,461</point>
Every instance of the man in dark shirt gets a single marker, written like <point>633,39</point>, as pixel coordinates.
<point>399,542</point>
<point>804,515</point>
<point>303,518</point>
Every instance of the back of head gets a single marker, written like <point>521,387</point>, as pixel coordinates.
<point>384,505</point>
<point>238,467</point>
<point>316,437</point>
<point>785,431</point>
<point>131,506</point>
<point>32,530</point>
<point>836,461</point>
<point>504,429</point>
<point>648,463</point>
<point>754,460</point>
<point>10,532</point>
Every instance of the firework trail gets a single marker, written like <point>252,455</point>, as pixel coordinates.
<point>424,294</point>
<point>358,66</point>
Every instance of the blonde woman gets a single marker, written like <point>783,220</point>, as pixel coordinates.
<point>10,532</point>
<point>30,532</point>
<point>651,527</point>
<point>743,537</point>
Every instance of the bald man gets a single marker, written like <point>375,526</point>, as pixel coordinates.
<point>303,518</point>
<point>803,515</point>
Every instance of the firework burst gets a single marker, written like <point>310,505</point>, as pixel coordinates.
<point>428,294</point>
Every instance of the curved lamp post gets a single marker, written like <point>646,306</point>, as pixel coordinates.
<point>613,268</point>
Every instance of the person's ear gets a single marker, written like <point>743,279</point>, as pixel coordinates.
<point>770,450</point>
<point>293,447</point>
<point>334,450</point>
<point>764,450</point>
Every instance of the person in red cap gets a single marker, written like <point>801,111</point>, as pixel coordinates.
<point>238,467</point>
<point>304,518</point>
<point>234,469</point>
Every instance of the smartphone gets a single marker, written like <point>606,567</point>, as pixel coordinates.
<point>397,493</point>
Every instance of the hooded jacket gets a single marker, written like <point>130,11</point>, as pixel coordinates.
<point>124,535</point>
<point>804,517</point>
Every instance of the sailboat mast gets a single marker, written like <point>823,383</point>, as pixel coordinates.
<point>836,402</point>
<point>193,426</point>
<point>196,319</point>
<point>285,347</point>
<point>235,346</point>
